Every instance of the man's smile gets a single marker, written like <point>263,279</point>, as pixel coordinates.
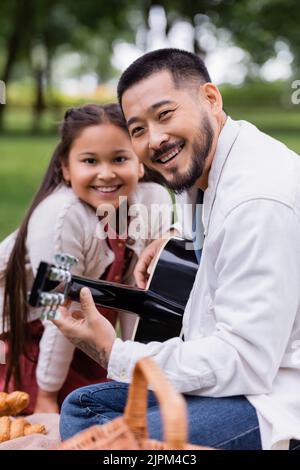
<point>169,155</point>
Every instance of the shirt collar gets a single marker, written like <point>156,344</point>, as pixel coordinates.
<point>225,143</point>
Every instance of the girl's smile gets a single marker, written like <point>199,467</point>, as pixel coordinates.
<point>106,192</point>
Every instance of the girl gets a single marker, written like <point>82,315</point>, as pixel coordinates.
<point>93,164</point>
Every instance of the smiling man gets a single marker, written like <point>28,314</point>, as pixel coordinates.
<point>174,128</point>
<point>236,364</point>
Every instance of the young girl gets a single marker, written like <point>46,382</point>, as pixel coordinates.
<point>93,164</point>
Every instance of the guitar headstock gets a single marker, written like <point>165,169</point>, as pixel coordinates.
<point>49,277</point>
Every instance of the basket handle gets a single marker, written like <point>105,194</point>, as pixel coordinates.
<point>172,405</point>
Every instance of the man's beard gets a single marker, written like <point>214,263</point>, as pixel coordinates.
<point>201,149</point>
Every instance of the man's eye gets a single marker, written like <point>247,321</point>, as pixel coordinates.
<point>164,113</point>
<point>136,131</point>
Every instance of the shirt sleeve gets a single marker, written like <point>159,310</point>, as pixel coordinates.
<point>46,237</point>
<point>254,307</point>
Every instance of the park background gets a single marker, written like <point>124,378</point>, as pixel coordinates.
<point>60,53</point>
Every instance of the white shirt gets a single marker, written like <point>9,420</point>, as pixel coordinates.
<point>242,321</point>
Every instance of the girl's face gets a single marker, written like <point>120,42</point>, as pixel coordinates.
<point>102,165</point>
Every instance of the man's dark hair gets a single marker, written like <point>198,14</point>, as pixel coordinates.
<point>183,66</point>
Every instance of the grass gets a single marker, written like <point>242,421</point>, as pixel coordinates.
<point>281,124</point>
<point>23,161</point>
<point>24,158</point>
<point>274,122</point>
<point>17,121</point>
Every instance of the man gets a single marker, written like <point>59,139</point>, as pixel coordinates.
<point>236,365</point>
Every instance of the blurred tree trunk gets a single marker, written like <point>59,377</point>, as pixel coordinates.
<point>20,22</point>
<point>41,66</point>
<point>39,105</point>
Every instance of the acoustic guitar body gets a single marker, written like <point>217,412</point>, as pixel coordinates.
<point>169,288</point>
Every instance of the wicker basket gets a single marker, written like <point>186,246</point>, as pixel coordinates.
<point>129,432</point>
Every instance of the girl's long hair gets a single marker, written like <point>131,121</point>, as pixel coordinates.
<point>15,308</point>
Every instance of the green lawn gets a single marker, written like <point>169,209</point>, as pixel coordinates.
<point>274,122</point>
<point>23,159</point>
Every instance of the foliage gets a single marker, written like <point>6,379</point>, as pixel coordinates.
<point>255,25</point>
<point>34,32</point>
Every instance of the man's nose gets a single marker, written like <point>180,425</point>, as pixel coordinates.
<point>156,138</point>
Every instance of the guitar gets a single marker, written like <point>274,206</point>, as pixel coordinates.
<point>159,307</point>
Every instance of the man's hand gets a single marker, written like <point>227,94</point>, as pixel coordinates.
<point>88,329</point>
<point>145,263</point>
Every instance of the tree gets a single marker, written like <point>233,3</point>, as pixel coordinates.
<point>255,25</point>
<point>33,31</point>
<point>14,26</point>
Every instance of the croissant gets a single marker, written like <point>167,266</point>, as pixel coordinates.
<point>19,427</point>
<point>13,403</point>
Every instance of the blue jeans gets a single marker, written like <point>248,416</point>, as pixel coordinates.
<point>224,423</point>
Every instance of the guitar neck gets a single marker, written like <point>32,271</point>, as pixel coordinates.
<point>144,303</point>
<point>107,294</point>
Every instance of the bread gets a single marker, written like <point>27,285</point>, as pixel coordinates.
<point>11,428</point>
<point>13,403</point>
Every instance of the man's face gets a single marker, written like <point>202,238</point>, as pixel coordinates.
<point>170,127</point>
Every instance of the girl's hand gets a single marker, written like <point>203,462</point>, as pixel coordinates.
<point>87,329</point>
<point>46,402</point>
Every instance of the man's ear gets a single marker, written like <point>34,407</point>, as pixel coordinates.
<point>141,170</point>
<point>213,97</point>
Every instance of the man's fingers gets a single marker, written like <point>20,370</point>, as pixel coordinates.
<point>140,274</point>
<point>140,281</point>
<point>151,266</point>
<point>143,267</point>
<point>87,302</point>
<point>61,317</point>
<point>67,303</point>
<point>146,262</point>
<point>77,315</point>
<point>62,313</point>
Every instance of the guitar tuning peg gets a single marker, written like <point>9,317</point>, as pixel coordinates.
<point>65,261</point>
<point>50,304</point>
<point>60,275</point>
